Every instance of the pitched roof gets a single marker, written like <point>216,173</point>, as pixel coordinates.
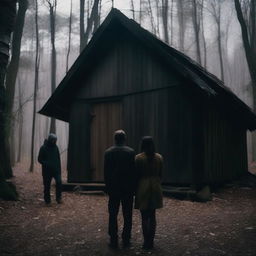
<point>59,103</point>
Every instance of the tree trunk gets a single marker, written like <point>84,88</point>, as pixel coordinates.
<point>11,74</point>
<point>172,34</point>
<point>220,52</point>
<point>7,18</point>
<point>91,20</point>
<point>132,9</point>
<point>203,36</point>
<point>153,27</point>
<point>37,62</point>
<point>82,43</point>
<point>20,122</point>
<point>196,26</point>
<point>248,36</point>
<point>53,59</point>
<point>181,24</point>
<point>165,20</point>
<point>69,35</point>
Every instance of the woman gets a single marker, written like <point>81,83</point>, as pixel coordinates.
<point>149,193</point>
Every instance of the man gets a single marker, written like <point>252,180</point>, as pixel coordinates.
<point>49,158</point>
<point>120,181</point>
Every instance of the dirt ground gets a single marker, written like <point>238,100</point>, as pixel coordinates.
<point>224,226</point>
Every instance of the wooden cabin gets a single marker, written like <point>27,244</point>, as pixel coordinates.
<point>128,79</point>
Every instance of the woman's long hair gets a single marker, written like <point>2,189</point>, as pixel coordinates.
<point>148,146</point>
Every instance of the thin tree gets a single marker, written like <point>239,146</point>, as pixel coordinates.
<point>165,20</point>
<point>172,9</point>
<point>20,121</point>
<point>203,34</point>
<point>7,19</point>
<point>36,79</point>
<point>216,13</point>
<point>132,9</point>
<point>92,20</point>
<point>151,15</point>
<point>196,26</point>
<point>69,35</point>
<point>180,9</point>
<point>82,43</point>
<point>11,76</point>
<point>52,4</point>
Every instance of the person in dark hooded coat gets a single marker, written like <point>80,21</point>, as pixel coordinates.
<point>49,158</point>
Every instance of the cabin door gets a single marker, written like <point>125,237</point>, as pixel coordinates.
<point>107,118</point>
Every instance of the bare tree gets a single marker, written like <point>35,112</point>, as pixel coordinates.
<point>216,13</point>
<point>151,15</point>
<point>132,9</point>
<point>165,20</point>
<point>172,9</point>
<point>180,10</point>
<point>52,4</point>
<point>196,25</point>
<point>91,21</point>
<point>69,35</point>
<point>82,43</point>
<point>7,19</point>
<point>36,79</point>
<point>203,36</point>
<point>11,76</point>
<point>20,121</point>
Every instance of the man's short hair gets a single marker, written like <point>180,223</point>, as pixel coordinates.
<point>119,136</point>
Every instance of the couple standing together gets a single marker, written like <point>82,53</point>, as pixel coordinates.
<point>125,175</point>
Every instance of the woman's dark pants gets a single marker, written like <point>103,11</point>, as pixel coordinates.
<point>148,227</point>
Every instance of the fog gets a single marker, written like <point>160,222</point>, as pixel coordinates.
<point>236,75</point>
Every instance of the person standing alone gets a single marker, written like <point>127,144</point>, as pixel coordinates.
<point>49,158</point>
<point>120,181</point>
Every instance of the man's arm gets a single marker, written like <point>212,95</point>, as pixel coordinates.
<point>106,171</point>
<point>41,156</point>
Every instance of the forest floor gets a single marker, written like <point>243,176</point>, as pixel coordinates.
<point>224,226</point>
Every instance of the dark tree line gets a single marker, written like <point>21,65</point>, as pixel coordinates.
<point>7,22</point>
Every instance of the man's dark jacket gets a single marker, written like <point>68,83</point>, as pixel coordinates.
<point>119,170</point>
<point>49,158</point>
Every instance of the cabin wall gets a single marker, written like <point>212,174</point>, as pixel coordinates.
<point>78,165</point>
<point>154,102</point>
<point>170,117</point>
<point>225,148</point>
<point>127,67</point>
<point>197,143</point>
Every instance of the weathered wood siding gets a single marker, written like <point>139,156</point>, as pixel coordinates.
<point>225,151</point>
<point>125,68</point>
<point>170,117</point>
<point>106,118</point>
<point>78,166</point>
<point>197,144</point>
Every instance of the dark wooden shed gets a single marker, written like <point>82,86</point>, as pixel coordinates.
<point>127,78</point>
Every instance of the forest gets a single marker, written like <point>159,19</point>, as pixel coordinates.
<point>39,42</point>
<point>47,36</point>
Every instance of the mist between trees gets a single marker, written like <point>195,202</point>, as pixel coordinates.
<point>208,31</point>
